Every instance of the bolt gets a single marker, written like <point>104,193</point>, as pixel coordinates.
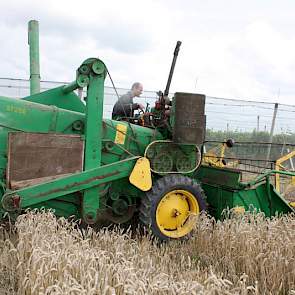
<point>175,213</point>
<point>16,201</point>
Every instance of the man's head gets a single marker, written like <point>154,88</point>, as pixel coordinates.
<point>137,89</point>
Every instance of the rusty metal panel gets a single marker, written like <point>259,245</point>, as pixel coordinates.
<point>38,155</point>
<point>190,119</point>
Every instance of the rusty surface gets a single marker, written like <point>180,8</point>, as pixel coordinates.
<point>36,155</point>
<point>190,119</point>
<point>77,183</point>
<point>15,185</point>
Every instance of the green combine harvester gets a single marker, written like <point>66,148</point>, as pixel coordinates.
<point>58,152</point>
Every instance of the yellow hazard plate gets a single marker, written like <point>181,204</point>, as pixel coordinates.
<point>120,134</point>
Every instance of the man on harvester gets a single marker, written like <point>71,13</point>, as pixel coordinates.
<point>125,107</point>
<point>158,116</point>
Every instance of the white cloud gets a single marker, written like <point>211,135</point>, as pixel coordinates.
<point>236,49</point>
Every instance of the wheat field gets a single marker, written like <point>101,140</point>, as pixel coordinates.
<point>246,254</point>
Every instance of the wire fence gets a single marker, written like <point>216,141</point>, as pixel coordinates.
<point>253,159</point>
<point>222,114</point>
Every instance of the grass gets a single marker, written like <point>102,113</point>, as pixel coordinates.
<point>243,255</point>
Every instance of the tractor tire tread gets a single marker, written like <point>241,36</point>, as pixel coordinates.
<point>161,186</point>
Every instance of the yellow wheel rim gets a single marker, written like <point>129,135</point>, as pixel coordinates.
<point>174,213</point>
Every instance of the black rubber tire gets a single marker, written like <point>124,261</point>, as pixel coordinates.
<point>149,203</point>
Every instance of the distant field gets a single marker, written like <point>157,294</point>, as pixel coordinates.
<point>243,255</point>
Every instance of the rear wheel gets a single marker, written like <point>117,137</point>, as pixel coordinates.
<point>170,207</point>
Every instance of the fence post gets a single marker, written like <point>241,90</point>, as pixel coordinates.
<point>272,130</point>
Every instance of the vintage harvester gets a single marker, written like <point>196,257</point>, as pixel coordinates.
<point>57,151</point>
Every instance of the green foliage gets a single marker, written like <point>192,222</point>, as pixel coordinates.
<point>253,136</point>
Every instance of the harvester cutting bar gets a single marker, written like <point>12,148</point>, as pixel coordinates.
<point>225,190</point>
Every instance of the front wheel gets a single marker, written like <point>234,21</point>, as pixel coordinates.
<point>170,207</point>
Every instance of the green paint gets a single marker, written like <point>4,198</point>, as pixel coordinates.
<point>60,111</point>
<point>33,29</point>
<point>59,98</point>
<point>93,127</point>
<point>109,157</point>
<point>225,191</point>
<point>33,195</point>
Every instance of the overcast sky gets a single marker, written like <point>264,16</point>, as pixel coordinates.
<point>230,48</point>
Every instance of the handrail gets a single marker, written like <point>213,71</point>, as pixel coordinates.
<point>264,176</point>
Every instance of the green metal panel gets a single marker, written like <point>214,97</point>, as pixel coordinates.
<point>136,140</point>
<point>93,134</point>
<point>21,115</point>
<point>262,198</point>
<point>62,208</point>
<point>218,176</point>
<point>224,191</point>
<point>59,98</point>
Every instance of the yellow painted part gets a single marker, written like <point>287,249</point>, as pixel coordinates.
<point>222,152</point>
<point>175,213</point>
<point>293,180</point>
<point>279,166</point>
<point>212,159</point>
<point>277,178</point>
<point>121,134</point>
<point>141,174</point>
<point>292,204</point>
<point>285,158</point>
